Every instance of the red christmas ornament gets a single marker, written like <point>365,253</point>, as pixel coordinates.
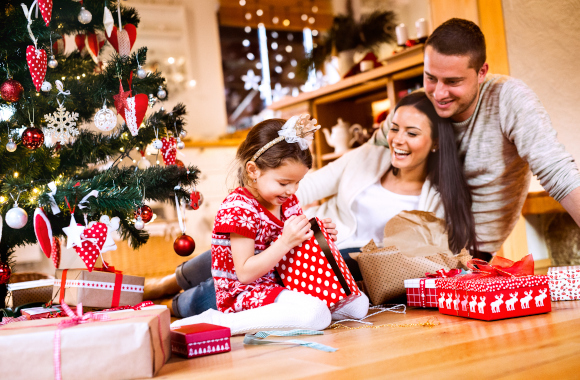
<point>11,90</point>
<point>123,40</point>
<point>145,212</point>
<point>179,163</point>
<point>196,200</point>
<point>5,272</point>
<point>184,245</point>
<point>37,65</point>
<point>32,138</point>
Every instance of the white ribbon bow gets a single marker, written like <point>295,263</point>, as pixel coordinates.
<point>288,131</point>
<point>54,207</point>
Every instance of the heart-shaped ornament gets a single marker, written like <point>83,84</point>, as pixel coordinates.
<point>36,59</point>
<point>135,112</point>
<point>55,251</point>
<point>46,10</point>
<point>169,150</point>
<point>123,40</point>
<point>93,239</point>
<point>94,42</point>
<point>43,231</point>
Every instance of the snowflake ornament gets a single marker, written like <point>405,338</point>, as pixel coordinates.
<point>251,80</point>
<point>278,92</point>
<point>61,124</point>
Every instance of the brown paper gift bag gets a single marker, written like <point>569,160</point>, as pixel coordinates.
<point>415,242</point>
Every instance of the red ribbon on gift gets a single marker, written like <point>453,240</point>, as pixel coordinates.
<point>139,306</point>
<point>442,274</point>
<point>502,267</point>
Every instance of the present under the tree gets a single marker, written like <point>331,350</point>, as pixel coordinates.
<point>97,289</point>
<point>317,268</point>
<point>564,283</point>
<point>422,292</point>
<point>25,292</point>
<point>502,290</point>
<point>41,312</point>
<point>200,339</point>
<point>123,345</point>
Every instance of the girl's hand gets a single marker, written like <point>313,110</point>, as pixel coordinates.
<point>330,228</point>
<point>296,230</point>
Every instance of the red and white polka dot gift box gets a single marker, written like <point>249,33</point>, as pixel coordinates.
<point>317,268</point>
<point>493,292</point>
<point>564,283</point>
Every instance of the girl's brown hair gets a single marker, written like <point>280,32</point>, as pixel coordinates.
<point>275,156</point>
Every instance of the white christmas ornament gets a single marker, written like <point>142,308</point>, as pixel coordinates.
<point>161,94</point>
<point>112,226</point>
<point>52,62</point>
<point>180,144</point>
<point>85,16</point>
<point>105,119</point>
<point>10,146</point>
<point>141,73</point>
<point>139,225</point>
<point>157,144</point>
<point>73,233</point>
<point>16,217</point>
<point>143,163</point>
<point>183,133</point>
<point>61,124</point>
<point>46,86</point>
<point>108,21</point>
<point>251,80</point>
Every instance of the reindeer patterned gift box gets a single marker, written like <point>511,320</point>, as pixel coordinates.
<point>564,283</point>
<point>495,291</point>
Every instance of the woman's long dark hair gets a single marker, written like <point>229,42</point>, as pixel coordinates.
<point>445,172</point>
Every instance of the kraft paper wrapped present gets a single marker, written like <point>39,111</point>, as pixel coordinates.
<point>96,289</point>
<point>25,292</point>
<point>415,243</point>
<point>129,345</point>
<point>200,339</point>
<point>564,283</point>
<point>503,289</point>
<point>317,268</point>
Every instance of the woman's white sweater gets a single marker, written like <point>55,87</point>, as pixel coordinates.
<point>345,178</point>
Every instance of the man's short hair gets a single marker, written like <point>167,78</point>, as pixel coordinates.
<point>459,37</point>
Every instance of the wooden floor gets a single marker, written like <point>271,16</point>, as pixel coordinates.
<point>533,347</point>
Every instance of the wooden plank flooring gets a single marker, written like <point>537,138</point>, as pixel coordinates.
<point>532,347</point>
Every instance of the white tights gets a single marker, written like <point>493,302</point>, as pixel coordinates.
<point>291,310</point>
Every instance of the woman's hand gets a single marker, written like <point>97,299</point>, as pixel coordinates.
<point>296,230</point>
<point>330,228</point>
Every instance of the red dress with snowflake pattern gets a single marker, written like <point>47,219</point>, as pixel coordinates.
<point>242,214</point>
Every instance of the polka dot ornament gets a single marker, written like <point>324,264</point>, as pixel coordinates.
<point>93,239</point>
<point>306,269</point>
<point>46,10</point>
<point>36,59</point>
<point>169,150</point>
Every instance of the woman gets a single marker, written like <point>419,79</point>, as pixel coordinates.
<point>369,186</point>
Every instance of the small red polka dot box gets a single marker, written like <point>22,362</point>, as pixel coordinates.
<point>317,268</point>
<point>200,339</point>
<point>564,283</point>
<point>497,291</point>
<point>96,289</point>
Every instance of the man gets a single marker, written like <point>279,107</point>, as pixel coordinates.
<point>502,132</point>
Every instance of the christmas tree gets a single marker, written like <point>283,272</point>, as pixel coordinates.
<point>54,163</point>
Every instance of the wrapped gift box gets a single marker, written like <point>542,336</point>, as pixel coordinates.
<point>493,297</point>
<point>317,268</point>
<point>200,339</point>
<point>131,344</point>
<point>421,292</point>
<point>41,312</point>
<point>97,289</point>
<point>30,291</point>
<point>564,283</point>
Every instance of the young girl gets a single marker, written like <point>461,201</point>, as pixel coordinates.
<point>246,240</point>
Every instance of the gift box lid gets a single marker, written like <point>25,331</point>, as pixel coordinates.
<point>199,332</point>
<point>490,283</point>
<point>557,273</point>
<point>30,284</point>
<point>415,283</point>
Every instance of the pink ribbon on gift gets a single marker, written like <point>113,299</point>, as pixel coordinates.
<point>442,274</point>
<point>7,320</point>
<point>74,320</point>
<point>139,306</point>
